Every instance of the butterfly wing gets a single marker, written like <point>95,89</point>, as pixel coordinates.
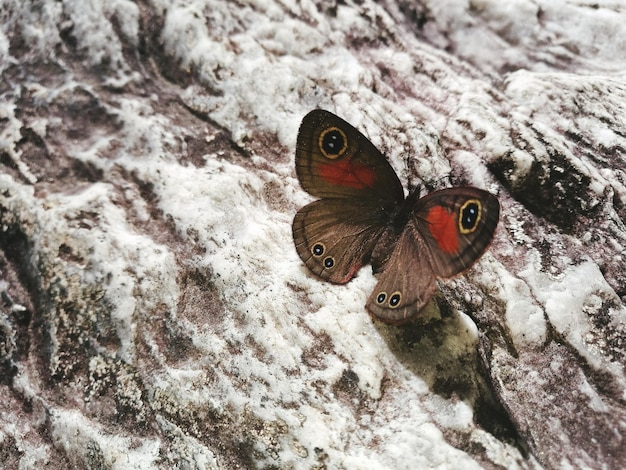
<point>446,234</point>
<point>457,225</point>
<point>334,160</point>
<point>407,282</point>
<point>335,237</point>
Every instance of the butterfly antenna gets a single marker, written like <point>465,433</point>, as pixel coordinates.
<point>431,185</point>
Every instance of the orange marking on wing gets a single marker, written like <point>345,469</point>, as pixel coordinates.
<point>346,173</point>
<point>443,228</point>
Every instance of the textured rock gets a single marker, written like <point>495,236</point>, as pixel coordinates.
<point>154,311</point>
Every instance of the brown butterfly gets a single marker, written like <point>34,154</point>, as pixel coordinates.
<point>363,217</point>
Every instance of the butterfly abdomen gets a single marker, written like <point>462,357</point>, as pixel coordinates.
<point>383,249</point>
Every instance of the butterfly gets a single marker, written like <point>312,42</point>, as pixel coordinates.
<point>362,217</point>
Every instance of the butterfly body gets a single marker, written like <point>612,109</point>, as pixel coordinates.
<point>363,217</point>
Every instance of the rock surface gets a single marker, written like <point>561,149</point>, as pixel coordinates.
<point>154,311</point>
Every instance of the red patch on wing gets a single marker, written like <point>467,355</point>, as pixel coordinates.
<point>346,173</point>
<point>443,228</point>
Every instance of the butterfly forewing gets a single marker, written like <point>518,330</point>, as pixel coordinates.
<point>335,237</point>
<point>334,160</point>
<point>457,225</point>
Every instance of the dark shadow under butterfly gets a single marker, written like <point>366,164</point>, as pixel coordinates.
<point>363,217</point>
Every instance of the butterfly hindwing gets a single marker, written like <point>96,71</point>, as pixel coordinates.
<point>335,237</point>
<point>334,160</point>
<point>406,284</point>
